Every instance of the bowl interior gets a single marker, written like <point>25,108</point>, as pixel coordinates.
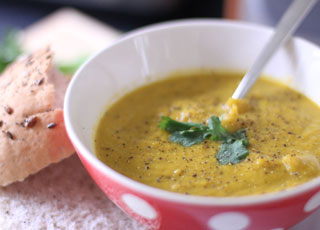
<point>152,53</point>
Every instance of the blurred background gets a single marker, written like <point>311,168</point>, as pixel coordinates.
<point>75,29</point>
<point>125,15</point>
<point>268,12</point>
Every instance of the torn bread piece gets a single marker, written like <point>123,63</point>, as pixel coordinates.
<point>32,132</point>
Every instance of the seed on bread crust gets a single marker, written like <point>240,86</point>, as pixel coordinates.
<point>29,60</point>
<point>9,135</point>
<point>51,125</point>
<point>30,122</point>
<point>8,109</point>
<point>39,81</point>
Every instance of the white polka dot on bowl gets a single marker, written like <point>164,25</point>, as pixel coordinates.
<point>139,206</point>
<point>313,203</point>
<point>229,221</point>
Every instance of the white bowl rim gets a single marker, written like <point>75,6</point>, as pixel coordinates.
<point>163,194</point>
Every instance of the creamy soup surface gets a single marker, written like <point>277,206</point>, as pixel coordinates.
<point>282,126</point>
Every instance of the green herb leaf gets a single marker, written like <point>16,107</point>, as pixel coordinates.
<point>232,153</point>
<point>218,132</point>
<point>188,137</point>
<point>170,125</point>
<point>232,150</point>
<point>241,135</point>
<point>9,49</point>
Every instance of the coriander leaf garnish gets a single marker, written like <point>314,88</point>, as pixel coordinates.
<point>218,132</point>
<point>241,135</point>
<point>171,125</point>
<point>188,137</point>
<point>234,145</point>
<point>232,153</point>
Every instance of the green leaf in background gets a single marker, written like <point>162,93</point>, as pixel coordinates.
<point>10,49</point>
<point>71,67</point>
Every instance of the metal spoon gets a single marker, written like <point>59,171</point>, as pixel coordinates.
<point>289,22</point>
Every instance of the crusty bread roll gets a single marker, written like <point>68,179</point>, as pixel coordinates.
<point>32,132</point>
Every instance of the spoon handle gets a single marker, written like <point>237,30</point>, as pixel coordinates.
<point>286,27</point>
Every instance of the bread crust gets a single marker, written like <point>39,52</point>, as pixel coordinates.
<point>27,107</point>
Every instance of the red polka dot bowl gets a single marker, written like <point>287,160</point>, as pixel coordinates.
<point>149,54</point>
